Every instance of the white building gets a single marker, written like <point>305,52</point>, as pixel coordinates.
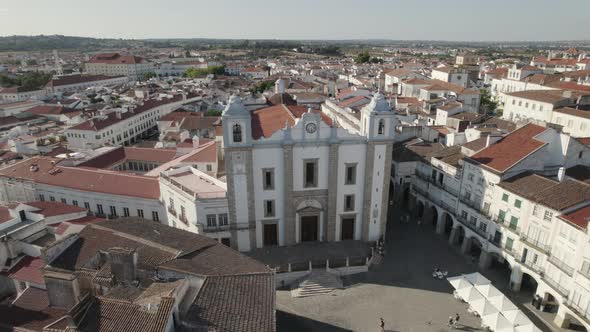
<point>12,95</point>
<point>451,75</point>
<point>120,127</point>
<point>76,83</point>
<point>115,64</point>
<point>293,176</point>
<point>500,202</point>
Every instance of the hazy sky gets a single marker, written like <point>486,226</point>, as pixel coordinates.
<point>475,20</point>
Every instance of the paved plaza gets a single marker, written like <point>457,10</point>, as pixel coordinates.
<point>401,290</point>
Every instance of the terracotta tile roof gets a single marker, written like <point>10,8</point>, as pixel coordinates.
<point>235,303</point>
<point>416,151</point>
<point>354,100</point>
<point>527,184</point>
<point>99,123</point>
<point>77,79</point>
<point>573,112</point>
<point>43,170</point>
<point>545,96</point>
<point>29,269</point>
<point>51,209</point>
<point>266,121</point>
<point>207,154</point>
<point>106,315</point>
<point>564,195</point>
<point>30,311</point>
<point>572,86</point>
<point>579,217</point>
<point>115,58</point>
<point>584,140</point>
<point>508,151</point>
<point>4,214</point>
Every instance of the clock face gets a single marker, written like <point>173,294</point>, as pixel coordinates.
<point>310,128</point>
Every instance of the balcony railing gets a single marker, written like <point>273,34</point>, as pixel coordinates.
<point>183,218</point>
<point>533,266</point>
<point>536,244</point>
<point>437,184</point>
<point>556,286</point>
<point>505,224</point>
<point>172,211</point>
<point>495,241</point>
<point>221,228</point>
<point>562,266</point>
<point>583,313</point>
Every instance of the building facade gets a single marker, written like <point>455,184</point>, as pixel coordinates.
<point>295,176</point>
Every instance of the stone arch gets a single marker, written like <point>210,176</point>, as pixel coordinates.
<point>419,209</point>
<point>448,223</point>
<point>434,215</point>
<point>571,322</point>
<point>309,204</point>
<point>550,302</point>
<point>529,283</point>
<point>472,246</point>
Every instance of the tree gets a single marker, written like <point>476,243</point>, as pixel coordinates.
<point>488,105</point>
<point>200,72</point>
<point>362,57</point>
<point>148,75</point>
<point>262,86</point>
<point>213,113</point>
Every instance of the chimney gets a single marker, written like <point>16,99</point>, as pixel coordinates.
<point>123,264</point>
<point>488,140</point>
<point>567,94</point>
<point>195,142</point>
<point>118,114</point>
<point>561,174</point>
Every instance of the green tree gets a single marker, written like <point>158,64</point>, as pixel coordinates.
<point>362,57</point>
<point>213,113</point>
<point>487,104</point>
<point>201,72</point>
<point>148,75</point>
<point>262,86</point>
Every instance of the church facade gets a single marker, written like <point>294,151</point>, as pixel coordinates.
<point>294,175</point>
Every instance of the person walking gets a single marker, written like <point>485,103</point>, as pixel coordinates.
<point>451,321</point>
<point>382,324</point>
<point>456,321</point>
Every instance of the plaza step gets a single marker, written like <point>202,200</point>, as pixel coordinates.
<point>316,283</point>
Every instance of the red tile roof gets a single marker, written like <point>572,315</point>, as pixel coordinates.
<point>267,121</point>
<point>511,149</point>
<point>77,79</point>
<point>207,154</point>
<point>29,269</point>
<point>579,217</point>
<point>51,209</point>
<point>115,58</point>
<point>85,179</point>
<point>4,214</point>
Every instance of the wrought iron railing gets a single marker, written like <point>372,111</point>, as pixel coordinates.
<point>556,286</point>
<point>536,244</point>
<point>562,265</point>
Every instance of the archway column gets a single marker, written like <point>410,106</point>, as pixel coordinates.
<point>466,245</point>
<point>440,224</point>
<point>485,260</point>
<point>515,278</point>
<point>454,237</point>
<point>562,319</point>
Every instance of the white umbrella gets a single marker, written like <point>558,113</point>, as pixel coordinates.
<point>459,282</point>
<point>527,328</point>
<point>469,294</point>
<point>482,307</point>
<point>502,303</point>
<point>476,278</point>
<point>488,290</point>
<point>496,322</point>
<point>516,317</point>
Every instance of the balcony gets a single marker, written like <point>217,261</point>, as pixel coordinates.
<point>536,244</point>
<point>556,286</point>
<point>562,266</point>
<point>504,224</point>
<point>222,228</point>
<point>442,186</point>
<point>172,211</point>
<point>496,242</point>
<point>583,313</point>
<point>532,265</point>
<point>183,219</point>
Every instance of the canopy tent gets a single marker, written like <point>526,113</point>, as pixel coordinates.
<point>496,322</point>
<point>488,290</point>
<point>483,307</point>
<point>502,303</point>
<point>469,294</point>
<point>527,328</point>
<point>517,317</point>
<point>477,279</point>
<point>459,282</point>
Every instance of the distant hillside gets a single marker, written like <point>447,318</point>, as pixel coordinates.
<point>32,43</point>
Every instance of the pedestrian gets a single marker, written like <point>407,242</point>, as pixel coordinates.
<point>451,321</point>
<point>456,319</point>
<point>382,324</point>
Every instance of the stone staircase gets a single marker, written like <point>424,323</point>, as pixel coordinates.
<point>316,283</point>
